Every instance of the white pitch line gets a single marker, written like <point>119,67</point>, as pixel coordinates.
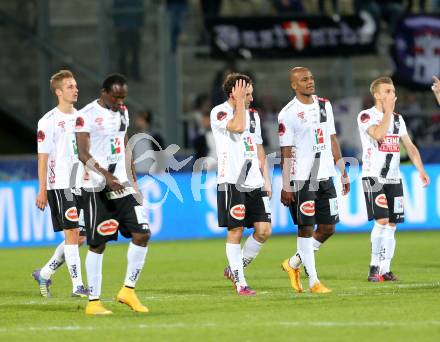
<point>180,325</point>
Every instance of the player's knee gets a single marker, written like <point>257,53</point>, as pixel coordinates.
<point>98,249</point>
<point>328,230</point>
<point>142,238</point>
<point>234,235</point>
<point>71,236</point>
<point>305,231</point>
<point>383,221</point>
<point>261,235</point>
<point>81,240</point>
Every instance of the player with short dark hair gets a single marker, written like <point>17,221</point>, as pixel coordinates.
<point>309,150</point>
<point>57,156</point>
<point>243,180</point>
<point>107,195</point>
<point>381,131</point>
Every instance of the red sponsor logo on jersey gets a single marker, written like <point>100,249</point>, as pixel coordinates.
<point>71,214</point>
<point>79,122</point>
<point>365,117</point>
<point>61,124</point>
<point>298,34</point>
<point>389,144</point>
<point>319,136</point>
<point>221,116</point>
<point>108,227</point>
<point>381,201</point>
<point>238,211</point>
<point>99,121</point>
<point>281,129</point>
<point>308,208</point>
<point>301,115</point>
<point>40,136</point>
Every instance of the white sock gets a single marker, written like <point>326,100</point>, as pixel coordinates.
<point>295,261</point>
<point>94,274</point>
<point>389,245</point>
<point>316,244</point>
<point>135,262</point>
<point>376,243</point>
<point>55,261</point>
<point>235,259</point>
<point>305,250</point>
<point>73,262</point>
<point>251,248</point>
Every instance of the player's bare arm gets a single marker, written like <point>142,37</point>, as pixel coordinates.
<point>264,170</point>
<point>414,155</point>
<point>388,103</point>
<point>340,163</point>
<point>436,88</point>
<point>238,123</point>
<point>83,142</point>
<point>41,200</point>
<point>286,166</point>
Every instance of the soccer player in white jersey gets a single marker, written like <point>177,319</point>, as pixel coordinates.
<point>309,150</point>
<point>244,186</point>
<point>57,155</point>
<point>381,131</point>
<point>107,195</point>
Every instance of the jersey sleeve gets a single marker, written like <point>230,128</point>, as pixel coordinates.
<point>45,133</point>
<point>330,118</point>
<point>402,130</point>
<point>258,137</point>
<point>83,121</point>
<point>285,130</point>
<point>219,119</point>
<point>365,121</point>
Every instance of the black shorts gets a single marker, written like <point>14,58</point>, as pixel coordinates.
<point>384,200</point>
<point>241,208</point>
<point>63,209</point>
<point>314,203</point>
<point>104,217</point>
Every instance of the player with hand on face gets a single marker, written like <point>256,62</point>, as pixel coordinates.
<point>381,131</point>
<point>244,187</point>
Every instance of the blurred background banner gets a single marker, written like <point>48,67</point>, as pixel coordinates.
<point>416,50</point>
<point>290,37</point>
<point>22,224</point>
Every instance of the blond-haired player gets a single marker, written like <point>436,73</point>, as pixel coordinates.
<point>381,131</point>
<point>57,155</point>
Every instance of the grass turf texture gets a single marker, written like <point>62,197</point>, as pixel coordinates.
<point>183,286</point>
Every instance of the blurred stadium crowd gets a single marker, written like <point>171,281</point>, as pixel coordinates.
<point>165,48</point>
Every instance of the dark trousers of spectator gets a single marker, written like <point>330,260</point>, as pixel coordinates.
<point>211,8</point>
<point>335,6</point>
<point>390,12</point>
<point>129,46</point>
<point>422,5</point>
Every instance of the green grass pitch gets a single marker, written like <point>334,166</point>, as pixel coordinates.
<point>183,286</point>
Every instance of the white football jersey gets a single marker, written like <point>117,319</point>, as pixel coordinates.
<point>56,137</point>
<point>308,131</point>
<point>380,159</point>
<point>237,152</point>
<point>107,131</point>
